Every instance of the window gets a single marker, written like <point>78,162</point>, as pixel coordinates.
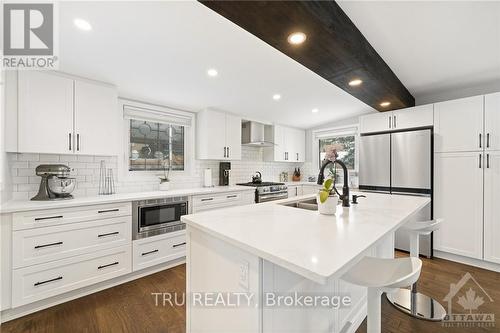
<point>347,155</point>
<point>155,145</point>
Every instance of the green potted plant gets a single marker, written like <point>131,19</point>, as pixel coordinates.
<point>164,180</point>
<point>326,198</point>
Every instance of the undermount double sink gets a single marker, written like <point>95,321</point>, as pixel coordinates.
<point>309,204</point>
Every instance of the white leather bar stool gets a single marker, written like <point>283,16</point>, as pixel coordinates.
<point>382,275</point>
<point>410,301</point>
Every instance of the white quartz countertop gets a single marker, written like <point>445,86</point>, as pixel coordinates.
<point>27,205</point>
<point>305,242</point>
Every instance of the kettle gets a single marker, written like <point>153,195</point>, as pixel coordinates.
<point>257,179</point>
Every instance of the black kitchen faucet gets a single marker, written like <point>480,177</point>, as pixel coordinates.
<point>345,189</point>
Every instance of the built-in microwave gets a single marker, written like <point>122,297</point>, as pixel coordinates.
<point>158,216</point>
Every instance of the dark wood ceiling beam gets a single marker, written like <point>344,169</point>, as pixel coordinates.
<point>335,49</point>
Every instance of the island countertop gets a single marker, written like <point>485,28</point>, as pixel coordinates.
<point>305,242</point>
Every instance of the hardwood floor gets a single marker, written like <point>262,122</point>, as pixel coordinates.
<point>131,307</point>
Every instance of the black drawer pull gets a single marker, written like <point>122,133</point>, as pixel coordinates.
<point>48,218</point>
<point>108,234</point>
<point>180,244</point>
<point>108,210</point>
<point>231,196</point>
<point>149,252</point>
<point>112,264</point>
<point>51,280</point>
<point>45,245</point>
<point>207,199</point>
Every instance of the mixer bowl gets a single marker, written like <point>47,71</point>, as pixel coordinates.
<point>60,185</point>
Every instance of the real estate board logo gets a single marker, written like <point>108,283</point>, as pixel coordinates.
<point>465,298</point>
<point>29,36</point>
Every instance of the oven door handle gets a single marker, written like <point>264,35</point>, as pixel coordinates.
<point>272,197</point>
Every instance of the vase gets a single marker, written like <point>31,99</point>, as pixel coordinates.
<point>165,186</point>
<point>329,207</point>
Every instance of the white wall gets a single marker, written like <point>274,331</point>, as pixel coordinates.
<point>446,95</point>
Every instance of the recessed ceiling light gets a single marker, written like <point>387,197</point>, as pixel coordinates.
<point>297,38</point>
<point>276,97</point>
<point>82,24</point>
<point>384,104</point>
<point>212,72</point>
<point>355,82</point>
<point>314,110</point>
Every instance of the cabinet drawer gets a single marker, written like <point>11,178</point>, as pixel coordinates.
<point>156,250</point>
<point>49,217</point>
<point>39,245</point>
<point>209,200</point>
<point>38,282</point>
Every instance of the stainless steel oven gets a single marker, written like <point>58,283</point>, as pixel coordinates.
<point>158,216</point>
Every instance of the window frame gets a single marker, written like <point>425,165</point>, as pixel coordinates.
<point>326,133</point>
<point>149,175</point>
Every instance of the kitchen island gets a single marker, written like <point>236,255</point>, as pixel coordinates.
<point>273,249</point>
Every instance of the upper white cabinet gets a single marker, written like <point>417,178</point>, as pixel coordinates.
<point>458,125</point>
<point>289,145</point>
<point>45,113</point>
<point>491,207</point>
<point>492,121</point>
<point>218,136</point>
<point>59,114</point>
<point>458,199</point>
<point>414,117</point>
<point>96,115</point>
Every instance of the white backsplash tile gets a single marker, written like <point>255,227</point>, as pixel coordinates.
<point>86,171</point>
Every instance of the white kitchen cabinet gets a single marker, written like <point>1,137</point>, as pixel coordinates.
<point>45,113</point>
<point>59,114</point>
<point>97,125</point>
<point>492,207</point>
<point>458,199</point>
<point>155,250</point>
<point>414,117</point>
<point>492,121</point>
<point>294,190</point>
<point>218,136</point>
<point>289,145</point>
<point>458,125</point>
<point>216,201</point>
<point>310,189</point>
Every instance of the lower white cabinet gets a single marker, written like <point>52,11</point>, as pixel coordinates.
<point>294,191</point>
<point>492,207</point>
<point>155,250</point>
<point>215,201</point>
<point>38,282</point>
<point>458,198</point>
<point>310,189</point>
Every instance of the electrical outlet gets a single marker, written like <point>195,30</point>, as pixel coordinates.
<point>244,271</point>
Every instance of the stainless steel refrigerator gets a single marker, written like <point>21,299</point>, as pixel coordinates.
<point>399,163</point>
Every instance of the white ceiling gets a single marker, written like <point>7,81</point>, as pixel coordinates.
<point>433,47</point>
<point>159,52</point>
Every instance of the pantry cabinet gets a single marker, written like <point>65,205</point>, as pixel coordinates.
<point>458,125</point>
<point>59,114</point>
<point>458,199</point>
<point>492,207</point>
<point>289,145</point>
<point>492,121</point>
<point>414,117</point>
<point>218,136</point>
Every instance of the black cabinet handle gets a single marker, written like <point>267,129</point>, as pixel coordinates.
<point>149,252</point>
<point>48,218</point>
<point>480,140</point>
<point>108,210</point>
<point>51,280</point>
<point>395,122</point>
<point>390,121</point>
<point>480,159</point>
<point>46,245</point>
<point>78,142</point>
<point>224,151</point>
<point>69,141</point>
<point>112,264</point>
<point>227,151</point>
<point>231,196</point>
<point>207,199</point>
<point>180,244</point>
<point>487,140</point>
<point>109,234</point>
<point>487,161</point>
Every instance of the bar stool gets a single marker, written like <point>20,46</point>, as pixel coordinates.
<point>410,301</point>
<point>382,275</point>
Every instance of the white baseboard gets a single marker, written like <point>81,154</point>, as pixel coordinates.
<point>10,314</point>
<point>467,261</point>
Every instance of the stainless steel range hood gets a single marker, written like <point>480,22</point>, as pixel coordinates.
<point>256,134</point>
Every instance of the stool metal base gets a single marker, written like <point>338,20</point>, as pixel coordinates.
<point>417,305</point>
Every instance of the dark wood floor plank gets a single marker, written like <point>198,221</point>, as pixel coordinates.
<point>131,307</point>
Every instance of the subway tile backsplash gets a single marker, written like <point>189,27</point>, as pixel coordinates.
<point>86,171</point>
